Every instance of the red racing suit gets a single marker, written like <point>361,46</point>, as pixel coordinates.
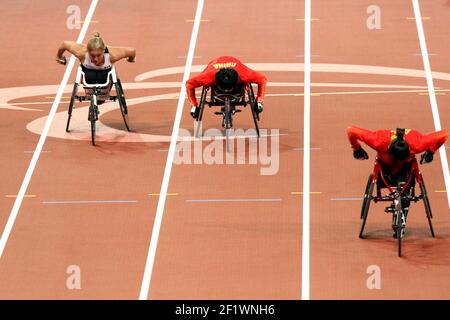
<point>207,77</point>
<point>380,140</point>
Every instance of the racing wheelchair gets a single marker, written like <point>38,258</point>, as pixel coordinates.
<point>97,85</point>
<point>228,101</point>
<point>399,195</point>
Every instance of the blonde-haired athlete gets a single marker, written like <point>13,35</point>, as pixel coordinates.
<point>95,55</point>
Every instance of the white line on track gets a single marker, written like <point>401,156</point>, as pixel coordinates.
<point>32,151</point>
<point>145,286</point>
<point>432,94</point>
<point>26,181</point>
<point>306,154</point>
<point>235,200</point>
<point>87,201</point>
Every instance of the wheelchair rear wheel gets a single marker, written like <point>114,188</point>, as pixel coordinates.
<point>72,102</point>
<point>366,198</point>
<point>122,103</point>
<point>254,107</point>
<point>426,203</point>
<point>366,203</point>
<point>200,115</point>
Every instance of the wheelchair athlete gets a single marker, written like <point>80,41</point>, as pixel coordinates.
<point>395,150</point>
<point>226,74</point>
<point>95,57</point>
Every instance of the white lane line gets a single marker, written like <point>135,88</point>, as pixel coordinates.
<point>432,94</point>
<point>184,57</point>
<point>26,181</point>
<point>345,199</point>
<point>306,154</point>
<point>312,56</point>
<point>235,200</point>
<point>32,151</point>
<point>87,201</point>
<point>302,149</point>
<point>145,286</point>
<point>430,54</point>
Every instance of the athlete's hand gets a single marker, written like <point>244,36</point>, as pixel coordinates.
<point>260,105</point>
<point>195,111</point>
<point>61,60</point>
<point>426,157</point>
<point>360,154</point>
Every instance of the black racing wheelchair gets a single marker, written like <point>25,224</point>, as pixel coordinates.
<point>97,85</point>
<point>400,196</point>
<point>242,95</point>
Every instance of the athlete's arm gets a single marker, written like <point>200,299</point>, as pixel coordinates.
<point>77,49</point>
<point>119,53</point>
<point>356,134</point>
<point>250,76</point>
<point>204,79</point>
<point>432,141</point>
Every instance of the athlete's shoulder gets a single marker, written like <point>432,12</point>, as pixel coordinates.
<point>412,134</point>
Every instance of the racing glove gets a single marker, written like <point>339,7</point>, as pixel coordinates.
<point>62,60</point>
<point>360,154</point>
<point>260,106</point>
<point>195,111</point>
<point>426,157</point>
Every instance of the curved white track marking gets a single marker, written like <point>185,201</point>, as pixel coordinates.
<point>80,127</point>
<point>8,94</point>
<point>315,67</point>
<point>37,151</point>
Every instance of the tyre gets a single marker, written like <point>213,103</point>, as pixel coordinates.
<point>254,107</point>
<point>93,117</point>
<point>71,103</point>
<point>367,196</point>
<point>426,203</point>
<point>122,103</point>
<point>366,205</point>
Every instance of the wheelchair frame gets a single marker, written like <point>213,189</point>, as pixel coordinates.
<point>228,101</point>
<point>395,196</point>
<point>95,92</point>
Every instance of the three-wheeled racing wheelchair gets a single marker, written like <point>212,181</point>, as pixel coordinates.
<point>240,96</point>
<point>97,86</point>
<point>400,196</point>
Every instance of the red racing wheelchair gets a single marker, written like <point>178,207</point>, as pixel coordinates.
<point>403,192</point>
<point>228,101</point>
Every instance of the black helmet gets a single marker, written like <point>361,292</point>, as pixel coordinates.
<point>399,148</point>
<point>226,79</point>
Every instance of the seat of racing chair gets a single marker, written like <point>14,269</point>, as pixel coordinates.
<point>237,91</point>
<point>92,76</point>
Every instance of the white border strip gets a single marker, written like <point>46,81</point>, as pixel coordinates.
<point>26,181</point>
<point>432,94</point>
<point>306,153</point>
<point>145,287</point>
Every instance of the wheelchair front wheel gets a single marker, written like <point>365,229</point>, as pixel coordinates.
<point>93,117</point>
<point>227,123</point>
<point>122,103</point>
<point>399,224</point>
